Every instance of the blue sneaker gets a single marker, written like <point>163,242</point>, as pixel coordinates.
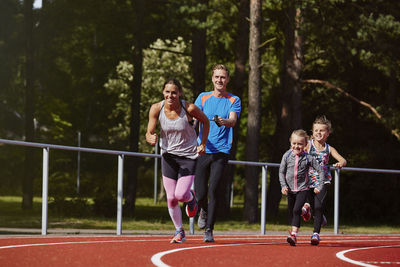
<point>315,239</point>
<point>208,236</point>
<point>179,236</point>
<point>202,221</point>
<point>191,206</point>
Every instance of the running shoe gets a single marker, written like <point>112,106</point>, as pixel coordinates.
<point>179,236</point>
<point>324,221</point>
<point>291,239</point>
<point>315,239</point>
<point>202,221</point>
<point>208,236</point>
<point>191,206</point>
<point>306,212</point>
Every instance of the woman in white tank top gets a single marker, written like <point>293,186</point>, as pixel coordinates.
<point>179,150</point>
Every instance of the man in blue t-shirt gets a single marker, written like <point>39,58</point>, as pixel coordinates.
<point>224,109</point>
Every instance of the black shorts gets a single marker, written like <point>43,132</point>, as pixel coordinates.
<point>174,167</point>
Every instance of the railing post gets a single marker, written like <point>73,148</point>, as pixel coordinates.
<point>231,202</point>
<point>120,193</point>
<point>336,204</point>
<point>263,198</point>
<point>191,219</point>
<point>78,167</point>
<point>155,173</point>
<point>45,186</point>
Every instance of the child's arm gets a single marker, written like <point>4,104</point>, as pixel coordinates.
<point>307,148</point>
<point>341,161</point>
<point>282,176</point>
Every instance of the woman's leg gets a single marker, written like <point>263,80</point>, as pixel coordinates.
<point>182,189</point>
<point>173,205</point>
<point>169,168</point>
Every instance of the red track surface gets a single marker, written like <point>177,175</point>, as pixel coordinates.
<point>255,250</point>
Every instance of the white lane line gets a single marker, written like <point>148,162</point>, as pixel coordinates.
<point>156,258</point>
<point>341,255</point>
<point>383,262</point>
<point>79,242</point>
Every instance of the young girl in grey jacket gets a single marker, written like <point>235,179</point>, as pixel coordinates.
<point>294,180</point>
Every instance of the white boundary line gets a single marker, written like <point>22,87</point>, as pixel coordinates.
<point>156,258</point>
<point>341,255</point>
<point>78,242</point>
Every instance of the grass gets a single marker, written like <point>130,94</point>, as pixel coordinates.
<point>150,216</point>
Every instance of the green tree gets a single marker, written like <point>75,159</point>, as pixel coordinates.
<point>27,186</point>
<point>254,114</point>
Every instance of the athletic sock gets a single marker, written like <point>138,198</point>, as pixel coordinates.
<point>176,216</point>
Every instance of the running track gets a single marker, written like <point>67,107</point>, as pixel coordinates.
<point>228,250</point>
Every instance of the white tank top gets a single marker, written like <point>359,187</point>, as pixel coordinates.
<point>178,137</point>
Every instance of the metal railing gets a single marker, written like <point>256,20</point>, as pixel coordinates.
<point>121,154</point>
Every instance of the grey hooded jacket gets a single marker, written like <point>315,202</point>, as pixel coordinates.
<point>293,171</point>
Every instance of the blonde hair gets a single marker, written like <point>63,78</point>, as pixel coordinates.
<point>220,67</point>
<point>300,133</point>
<point>323,120</point>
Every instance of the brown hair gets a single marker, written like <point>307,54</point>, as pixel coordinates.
<point>174,82</point>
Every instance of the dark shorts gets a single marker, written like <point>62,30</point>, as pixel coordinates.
<point>174,167</point>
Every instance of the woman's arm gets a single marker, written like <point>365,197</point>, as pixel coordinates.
<point>151,136</point>
<point>201,117</point>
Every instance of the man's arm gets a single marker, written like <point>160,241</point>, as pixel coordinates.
<point>229,122</point>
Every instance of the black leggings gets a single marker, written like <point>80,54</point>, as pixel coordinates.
<point>317,202</point>
<point>295,204</point>
<point>209,171</point>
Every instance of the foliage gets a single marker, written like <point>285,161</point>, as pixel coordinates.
<point>83,72</point>
<point>162,60</point>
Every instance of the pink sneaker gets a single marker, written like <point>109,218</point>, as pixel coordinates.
<point>306,212</point>
<point>291,239</point>
<point>191,206</point>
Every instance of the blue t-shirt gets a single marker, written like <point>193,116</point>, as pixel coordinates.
<point>219,138</point>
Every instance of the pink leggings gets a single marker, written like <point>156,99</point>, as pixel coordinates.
<point>178,190</point>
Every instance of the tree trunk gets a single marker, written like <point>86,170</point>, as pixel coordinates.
<point>238,81</point>
<point>199,54</point>
<point>289,117</point>
<point>254,115</point>
<point>27,184</point>
<point>134,162</point>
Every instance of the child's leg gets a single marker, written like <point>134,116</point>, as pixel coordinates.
<point>319,204</point>
<point>299,201</point>
<point>310,199</point>
<point>291,198</point>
